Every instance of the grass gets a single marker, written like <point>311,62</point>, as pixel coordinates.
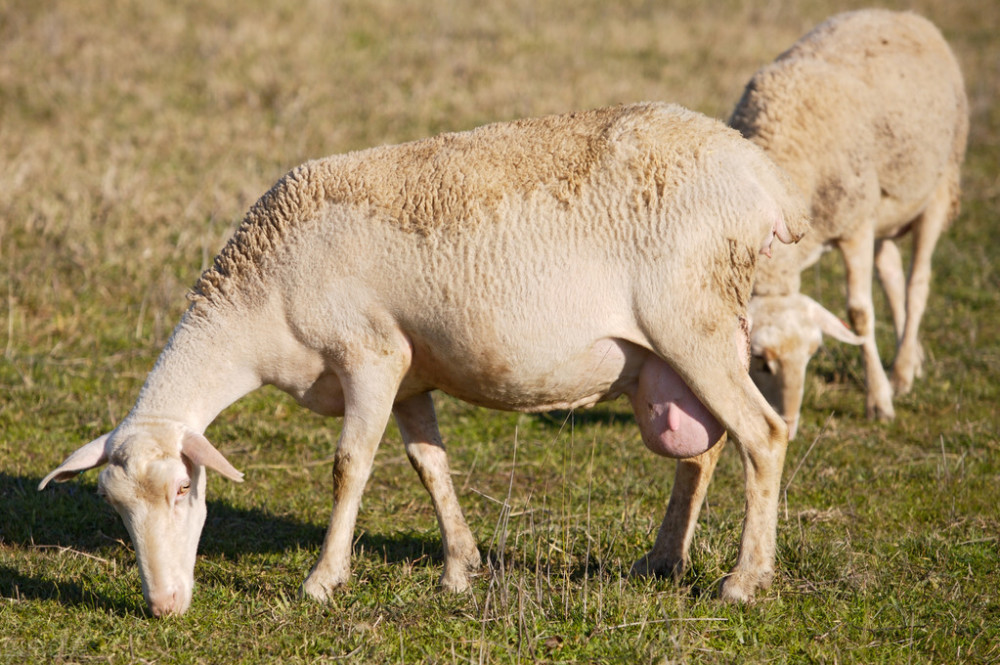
<point>133,136</point>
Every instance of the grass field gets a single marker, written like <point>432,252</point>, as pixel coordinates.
<point>134,135</point>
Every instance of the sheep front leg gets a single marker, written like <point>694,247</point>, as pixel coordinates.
<point>368,399</point>
<point>859,255</point>
<point>418,426</point>
<point>670,553</point>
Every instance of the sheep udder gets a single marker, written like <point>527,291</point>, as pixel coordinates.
<point>671,418</point>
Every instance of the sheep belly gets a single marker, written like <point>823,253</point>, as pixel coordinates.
<point>671,418</point>
<point>560,374</point>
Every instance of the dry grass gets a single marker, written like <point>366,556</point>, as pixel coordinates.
<point>133,136</point>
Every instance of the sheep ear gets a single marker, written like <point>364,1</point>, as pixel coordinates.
<point>90,456</point>
<point>831,325</point>
<point>197,449</point>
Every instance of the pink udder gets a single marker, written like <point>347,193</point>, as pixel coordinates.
<point>672,420</point>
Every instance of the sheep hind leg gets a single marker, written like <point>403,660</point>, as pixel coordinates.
<point>670,553</point>
<point>719,377</point>
<point>889,266</point>
<point>910,355</point>
<point>418,426</point>
<point>368,398</point>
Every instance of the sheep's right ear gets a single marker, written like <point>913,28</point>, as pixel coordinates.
<point>831,325</point>
<point>90,456</point>
<point>197,449</point>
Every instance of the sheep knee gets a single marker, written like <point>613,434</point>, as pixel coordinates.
<point>859,319</point>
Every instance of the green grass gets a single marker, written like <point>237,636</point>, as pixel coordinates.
<point>133,136</point>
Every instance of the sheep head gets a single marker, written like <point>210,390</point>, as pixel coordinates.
<point>155,479</point>
<point>787,331</point>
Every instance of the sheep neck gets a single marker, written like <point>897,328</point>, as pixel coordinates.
<point>206,366</point>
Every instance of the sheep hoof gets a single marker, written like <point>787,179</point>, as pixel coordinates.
<point>322,590</point>
<point>878,405</point>
<point>455,582</point>
<point>903,377</point>
<point>739,586</point>
<point>901,384</point>
<point>658,566</point>
<point>909,365</point>
<point>459,571</point>
<point>883,412</point>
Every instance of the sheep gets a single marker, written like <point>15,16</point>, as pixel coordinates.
<point>868,115</point>
<point>547,263</point>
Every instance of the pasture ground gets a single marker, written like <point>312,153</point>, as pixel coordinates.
<point>134,135</point>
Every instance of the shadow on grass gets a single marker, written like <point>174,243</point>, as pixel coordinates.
<point>695,583</point>
<point>15,584</point>
<point>605,413</point>
<point>71,515</point>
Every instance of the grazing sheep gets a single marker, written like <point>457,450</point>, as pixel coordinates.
<point>543,264</point>
<point>867,114</point>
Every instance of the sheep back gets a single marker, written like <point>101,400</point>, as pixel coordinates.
<point>634,176</point>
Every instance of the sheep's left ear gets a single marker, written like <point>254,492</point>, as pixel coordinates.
<point>87,457</point>
<point>198,450</point>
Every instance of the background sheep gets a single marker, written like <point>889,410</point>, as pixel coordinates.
<point>868,115</point>
<point>533,265</point>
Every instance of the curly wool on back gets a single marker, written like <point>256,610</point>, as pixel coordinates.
<point>451,181</point>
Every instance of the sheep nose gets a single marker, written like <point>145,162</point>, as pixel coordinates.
<point>166,602</point>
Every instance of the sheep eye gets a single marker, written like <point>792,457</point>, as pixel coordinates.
<point>184,488</point>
